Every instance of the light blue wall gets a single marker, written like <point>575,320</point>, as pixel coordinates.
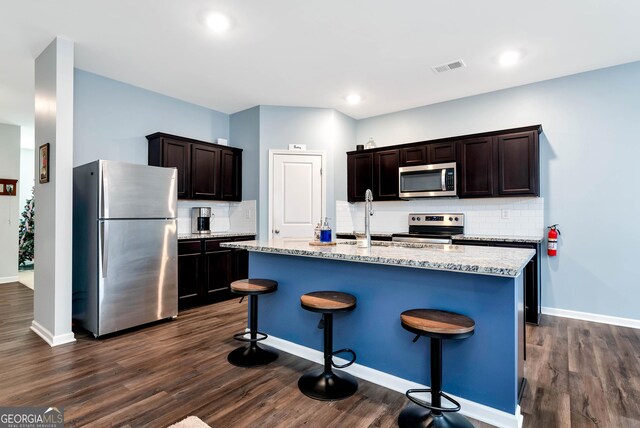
<point>244,133</point>
<point>345,141</point>
<point>111,119</point>
<point>589,155</point>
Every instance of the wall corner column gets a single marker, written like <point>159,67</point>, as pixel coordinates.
<point>54,199</point>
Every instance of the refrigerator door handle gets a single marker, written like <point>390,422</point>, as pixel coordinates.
<point>104,240</point>
<point>105,192</point>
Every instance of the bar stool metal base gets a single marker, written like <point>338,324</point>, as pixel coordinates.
<point>414,416</point>
<point>251,356</point>
<point>334,385</point>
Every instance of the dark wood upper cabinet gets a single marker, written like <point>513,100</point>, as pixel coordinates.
<point>385,175</point>
<point>518,159</point>
<point>442,152</point>
<point>170,153</point>
<point>412,156</point>
<point>475,167</point>
<point>502,165</point>
<point>231,174</point>
<point>489,164</point>
<point>205,170</point>
<point>359,175</point>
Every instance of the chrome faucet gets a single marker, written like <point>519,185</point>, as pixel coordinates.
<point>368,212</point>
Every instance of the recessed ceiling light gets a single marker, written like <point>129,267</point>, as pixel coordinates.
<point>354,99</point>
<point>218,22</point>
<point>509,58</point>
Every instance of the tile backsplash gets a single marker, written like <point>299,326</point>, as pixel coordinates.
<point>493,216</point>
<point>228,216</point>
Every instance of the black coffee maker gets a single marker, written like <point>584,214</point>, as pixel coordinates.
<point>201,218</point>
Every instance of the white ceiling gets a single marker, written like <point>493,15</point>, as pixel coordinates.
<point>313,53</point>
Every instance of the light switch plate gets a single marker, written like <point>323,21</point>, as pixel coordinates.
<point>505,214</point>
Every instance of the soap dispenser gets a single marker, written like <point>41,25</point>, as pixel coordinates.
<point>325,231</point>
<point>316,231</point>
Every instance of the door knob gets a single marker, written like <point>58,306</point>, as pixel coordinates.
<point>276,231</point>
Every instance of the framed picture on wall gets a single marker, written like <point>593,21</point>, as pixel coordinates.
<point>43,163</point>
<point>8,187</point>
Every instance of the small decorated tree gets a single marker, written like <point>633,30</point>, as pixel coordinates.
<point>26,232</point>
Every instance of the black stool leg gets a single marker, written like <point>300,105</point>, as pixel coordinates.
<point>252,355</point>
<point>414,416</point>
<point>436,374</point>
<point>326,384</point>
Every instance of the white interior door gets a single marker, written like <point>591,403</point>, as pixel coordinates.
<point>297,194</point>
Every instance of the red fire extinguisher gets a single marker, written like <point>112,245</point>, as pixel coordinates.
<point>552,240</point>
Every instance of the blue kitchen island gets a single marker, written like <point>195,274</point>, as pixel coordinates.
<point>485,371</point>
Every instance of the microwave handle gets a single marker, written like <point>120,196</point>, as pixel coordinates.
<point>442,179</point>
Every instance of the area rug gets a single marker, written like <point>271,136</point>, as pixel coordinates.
<point>190,422</point>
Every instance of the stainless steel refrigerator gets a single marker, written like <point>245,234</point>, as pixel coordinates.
<point>124,245</point>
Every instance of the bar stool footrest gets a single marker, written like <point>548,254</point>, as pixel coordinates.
<point>342,351</point>
<point>430,406</point>
<point>241,337</point>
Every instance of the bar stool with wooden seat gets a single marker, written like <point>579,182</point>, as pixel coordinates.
<point>327,384</point>
<point>437,325</point>
<point>252,355</point>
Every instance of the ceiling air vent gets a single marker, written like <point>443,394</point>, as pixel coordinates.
<point>448,66</point>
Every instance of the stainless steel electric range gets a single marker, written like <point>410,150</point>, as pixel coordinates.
<point>432,228</point>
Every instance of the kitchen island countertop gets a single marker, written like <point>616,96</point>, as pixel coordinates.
<point>505,262</point>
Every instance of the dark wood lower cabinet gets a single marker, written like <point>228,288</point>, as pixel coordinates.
<point>205,270</point>
<point>189,273</point>
<point>218,266</point>
<point>531,272</point>
<point>531,277</point>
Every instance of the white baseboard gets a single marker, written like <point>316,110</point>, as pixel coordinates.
<point>471,409</point>
<point>587,316</point>
<point>52,340</point>
<point>7,279</point>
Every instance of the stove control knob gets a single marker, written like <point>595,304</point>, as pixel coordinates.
<point>413,218</point>
<point>418,218</point>
<point>457,219</point>
<point>450,218</point>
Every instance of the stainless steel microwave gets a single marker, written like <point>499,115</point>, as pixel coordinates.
<point>428,181</point>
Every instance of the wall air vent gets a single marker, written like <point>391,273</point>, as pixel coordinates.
<point>448,66</point>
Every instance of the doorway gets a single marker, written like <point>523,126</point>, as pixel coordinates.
<point>26,214</point>
<point>297,193</point>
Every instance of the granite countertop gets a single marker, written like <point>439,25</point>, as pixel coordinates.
<point>377,234</point>
<point>500,238</point>
<point>494,261</point>
<point>183,236</point>
<point>467,237</point>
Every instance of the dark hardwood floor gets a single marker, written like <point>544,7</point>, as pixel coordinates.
<point>580,374</point>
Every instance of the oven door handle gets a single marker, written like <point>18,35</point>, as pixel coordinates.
<point>442,179</point>
<point>413,240</point>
